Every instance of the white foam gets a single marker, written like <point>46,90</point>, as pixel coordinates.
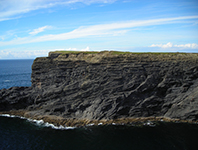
<point>6,80</point>
<point>5,115</point>
<point>91,124</point>
<point>11,116</point>
<point>100,124</point>
<point>114,124</point>
<point>39,122</point>
<point>46,124</point>
<point>149,123</point>
<point>52,126</point>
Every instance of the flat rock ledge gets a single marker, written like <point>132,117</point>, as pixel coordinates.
<point>60,121</point>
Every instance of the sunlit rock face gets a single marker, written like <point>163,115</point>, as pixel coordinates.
<point>109,85</point>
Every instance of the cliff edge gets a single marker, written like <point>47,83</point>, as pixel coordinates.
<point>76,86</point>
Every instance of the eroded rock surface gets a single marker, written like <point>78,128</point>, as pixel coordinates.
<point>109,86</point>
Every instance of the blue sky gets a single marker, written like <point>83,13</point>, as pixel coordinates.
<point>32,28</point>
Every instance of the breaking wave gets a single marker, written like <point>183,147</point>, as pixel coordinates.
<point>39,122</point>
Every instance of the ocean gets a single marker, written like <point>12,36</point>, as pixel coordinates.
<point>22,134</point>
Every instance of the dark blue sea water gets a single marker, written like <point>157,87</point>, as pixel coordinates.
<point>15,73</point>
<point>21,134</point>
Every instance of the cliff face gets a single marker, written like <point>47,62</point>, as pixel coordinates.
<point>109,86</point>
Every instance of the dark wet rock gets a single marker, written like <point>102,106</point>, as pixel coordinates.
<point>15,98</point>
<point>108,86</point>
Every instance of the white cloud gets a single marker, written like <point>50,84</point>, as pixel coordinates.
<point>8,35</point>
<point>9,9</point>
<point>30,53</point>
<point>41,29</point>
<point>193,46</point>
<point>68,49</point>
<point>4,54</point>
<point>74,49</point>
<point>18,54</point>
<point>170,45</point>
<point>86,49</point>
<point>97,30</point>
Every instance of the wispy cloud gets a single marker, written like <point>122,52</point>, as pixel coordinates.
<point>95,30</point>
<point>171,45</point>
<point>74,49</point>
<point>168,45</point>
<point>12,53</point>
<point>38,30</point>
<point>10,9</point>
<point>30,53</point>
<point>86,49</point>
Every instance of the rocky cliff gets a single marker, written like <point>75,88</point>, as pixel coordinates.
<point>108,86</point>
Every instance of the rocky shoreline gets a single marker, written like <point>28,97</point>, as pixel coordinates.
<point>81,88</point>
<point>60,121</point>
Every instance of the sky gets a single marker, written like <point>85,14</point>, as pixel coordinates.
<point>32,28</point>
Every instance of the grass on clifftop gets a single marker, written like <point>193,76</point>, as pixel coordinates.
<point>76,52</point>
<point>114,52</point>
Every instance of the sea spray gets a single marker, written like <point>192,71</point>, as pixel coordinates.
<point>39,122</point>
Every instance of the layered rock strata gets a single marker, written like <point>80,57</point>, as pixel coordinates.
<point>108,86</point>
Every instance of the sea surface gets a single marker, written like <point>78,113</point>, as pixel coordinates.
<point>15,73</point>
<point>22,134</point>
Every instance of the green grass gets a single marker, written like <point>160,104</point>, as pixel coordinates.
<point>76,52</point>
<point>115,52</point>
